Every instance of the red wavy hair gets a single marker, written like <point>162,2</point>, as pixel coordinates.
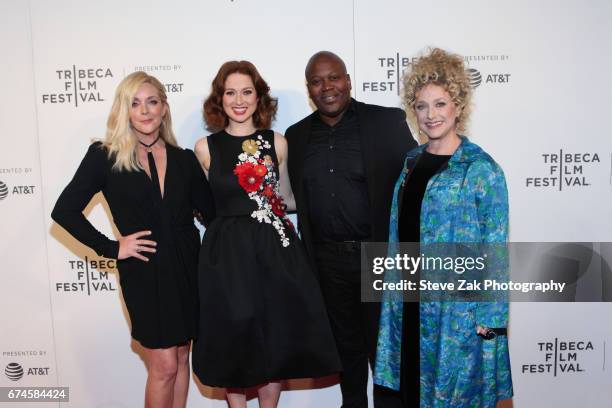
<point>215,117</point>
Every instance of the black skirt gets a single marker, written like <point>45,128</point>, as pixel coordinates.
<point>262,316</point>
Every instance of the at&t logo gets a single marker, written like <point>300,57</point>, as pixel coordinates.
<point>3,191</point>
<point>392,68</point>
<point>14,371</point>
<point>475,77</point>
<point>16,190</point>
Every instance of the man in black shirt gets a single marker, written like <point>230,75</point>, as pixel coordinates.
<point>343,162</point>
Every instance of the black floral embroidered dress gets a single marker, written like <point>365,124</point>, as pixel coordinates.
<point>262,316</point>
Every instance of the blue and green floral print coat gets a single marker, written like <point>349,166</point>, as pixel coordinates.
<point>467,201</point>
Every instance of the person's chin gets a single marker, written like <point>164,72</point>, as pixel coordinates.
<point>147,131</point>
<point>239,119</point>
<point>433,137</point>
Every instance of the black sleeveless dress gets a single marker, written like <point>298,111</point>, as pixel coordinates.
<point>262,316</point>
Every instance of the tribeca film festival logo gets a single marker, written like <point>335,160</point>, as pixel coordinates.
<point>565,170</point>
<point>393,68</point>
<point>558,357</point>
<point>92,276</point>
<point>159,71</point>
<point>5,189</point>
<point>78,86</point>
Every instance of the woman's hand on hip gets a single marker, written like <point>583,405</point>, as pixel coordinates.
<point>132,246</point>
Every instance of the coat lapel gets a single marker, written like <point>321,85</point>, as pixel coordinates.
<point>297,158</point>
<point>367,134</point>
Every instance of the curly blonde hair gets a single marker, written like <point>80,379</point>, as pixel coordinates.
<point>443,69</point>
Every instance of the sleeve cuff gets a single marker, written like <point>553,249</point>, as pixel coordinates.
<point>110,250</point>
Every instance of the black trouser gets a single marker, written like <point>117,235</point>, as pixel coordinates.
<point>355,324</point>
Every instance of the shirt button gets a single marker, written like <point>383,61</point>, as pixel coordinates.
<point>333,194</point>
<point>331,147</point>
<point>331,170</point>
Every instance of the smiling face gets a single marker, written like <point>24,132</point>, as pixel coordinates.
<point>329,86</point>
<point>436,113</point>
<point>239,98</point>
<point>147,111</point>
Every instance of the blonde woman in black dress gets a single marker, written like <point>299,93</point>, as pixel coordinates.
<point>152,188</point>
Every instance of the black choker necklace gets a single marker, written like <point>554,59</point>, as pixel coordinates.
<point>148,146</point>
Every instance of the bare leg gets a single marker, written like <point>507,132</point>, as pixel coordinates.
<point>236,397</point>
<point>181,385</point>
<point>162,366</point>
<point>269,395</point>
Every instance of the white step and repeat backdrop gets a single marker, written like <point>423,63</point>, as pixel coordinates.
<point>542,104</point>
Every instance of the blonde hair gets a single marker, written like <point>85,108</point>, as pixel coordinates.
<point>444,69</point>
<point>121,141</point>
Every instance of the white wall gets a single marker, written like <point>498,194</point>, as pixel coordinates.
<point>545,89</point>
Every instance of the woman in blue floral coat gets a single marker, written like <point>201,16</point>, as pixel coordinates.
<point>450,191</point>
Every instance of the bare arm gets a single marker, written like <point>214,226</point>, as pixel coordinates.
<point>203,154</point>
<point>280,146</point>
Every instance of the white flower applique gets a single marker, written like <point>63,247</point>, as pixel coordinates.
<point>257,177</point>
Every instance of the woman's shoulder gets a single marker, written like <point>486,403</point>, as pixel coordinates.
<point>175,148</point>
<point>97,146</point>
<point>184,158</point>
<point>485,172</point>
<point>182,153</point>
<point>215,135</point>
<point>479,159</point>
<point>97,151</point>
<point>278,137</point>
<point>201,145</point>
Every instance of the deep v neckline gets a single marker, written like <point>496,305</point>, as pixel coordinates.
<point>162,187</point>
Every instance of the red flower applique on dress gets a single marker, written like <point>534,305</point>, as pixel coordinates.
<point>257,177</point>
<point>250,176</point>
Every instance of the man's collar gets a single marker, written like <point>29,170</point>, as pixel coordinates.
<point>351,109</point>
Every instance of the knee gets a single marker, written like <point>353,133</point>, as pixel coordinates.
<point>163,368</point>
<point>183,355</point>
<point>264,392</point>
<point>269,391</point>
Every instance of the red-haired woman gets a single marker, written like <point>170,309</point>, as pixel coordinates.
<point>262,317</point>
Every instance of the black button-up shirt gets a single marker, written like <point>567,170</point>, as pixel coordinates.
<point>335,180</point>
